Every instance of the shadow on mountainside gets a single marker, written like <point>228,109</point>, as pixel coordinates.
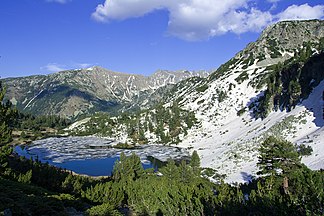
<point>246,177</point>
<point>314,104</point>
<point>297,84</point>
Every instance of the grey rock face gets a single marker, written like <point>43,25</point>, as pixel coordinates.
<point>281,38</point>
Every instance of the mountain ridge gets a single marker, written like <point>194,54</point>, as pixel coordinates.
<point>84,91</point>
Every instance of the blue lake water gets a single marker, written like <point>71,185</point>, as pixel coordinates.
<point>95,156</point>
<point>91,167</point>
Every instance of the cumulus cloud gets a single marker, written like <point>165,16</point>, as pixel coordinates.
<point>54,67</point>
<point>125,9</point>
<point>201,19</point>
<point>59,1</point>
<point>295,12</point>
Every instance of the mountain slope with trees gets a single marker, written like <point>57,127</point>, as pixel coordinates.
<point>252,97</point>
<point>272,87</point>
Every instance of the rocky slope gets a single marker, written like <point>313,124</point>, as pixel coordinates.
<point>76,92</point>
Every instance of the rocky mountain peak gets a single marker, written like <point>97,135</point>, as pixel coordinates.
<point>282,39</point>
<point>277,43</point>
<point>290,33</point>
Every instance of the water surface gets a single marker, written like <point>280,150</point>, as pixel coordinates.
<point>95,156</point>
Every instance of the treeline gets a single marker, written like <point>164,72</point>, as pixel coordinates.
<point>291,81</point>
<point>37,123</point>
<point>162,124</point>
<point>27,126</point>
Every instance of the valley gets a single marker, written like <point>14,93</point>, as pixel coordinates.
<point>220,115</point>
<point>245,139</point>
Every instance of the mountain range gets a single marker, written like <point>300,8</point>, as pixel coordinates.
<point>85,91</point>
<point>272,87</point>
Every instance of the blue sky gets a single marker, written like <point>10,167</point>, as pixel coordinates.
<point>134,36</point>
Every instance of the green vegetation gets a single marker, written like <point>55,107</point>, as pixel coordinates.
<point>17,127</point>
<point>261,57</point>
<point>242,77</point>
<point>278,155</point>
<point>286,127</point>
<point>36,123</point>
<point>223,69</point>
<point>248,61</point>
<point>28,128</point>
<point>273,47</point>
<point>321,44</point>
<point>166,124</point>
<point>26,199</point>
<point>241,111</point>
<point>222,95</point>
<point>304,150</point>
<point>286,188</point>
<point>124,146</point>
<point>291,82</point>
<point>7,118</point>
<point>202,88</point>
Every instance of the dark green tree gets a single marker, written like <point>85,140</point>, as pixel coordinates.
<point>195,163</point>
<point>6,115</point>
<point>128,168</point>
<point>170,171</point>
<point>304,150</point>
<point>277,156</point>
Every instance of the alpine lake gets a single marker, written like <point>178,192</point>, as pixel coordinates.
<point>95,156</point>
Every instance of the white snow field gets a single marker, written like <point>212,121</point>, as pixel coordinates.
<point>229,143</point>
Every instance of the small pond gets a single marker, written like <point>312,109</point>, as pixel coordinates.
<point>95,156</point>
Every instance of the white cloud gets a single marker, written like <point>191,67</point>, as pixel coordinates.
<point>240,22</point>
<point>53,67</point>
<point>59,1</point>
<point>201,19</point>
<point>295,12</point>
<point>124,9</point>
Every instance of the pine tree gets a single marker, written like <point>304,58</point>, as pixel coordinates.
<point>6,115</point>
<point>170,171</point>
<point>195,163</point>
<point>141,137</point>
<point>5,134</point>
<point>128,168</point>
<point>277,155</point>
